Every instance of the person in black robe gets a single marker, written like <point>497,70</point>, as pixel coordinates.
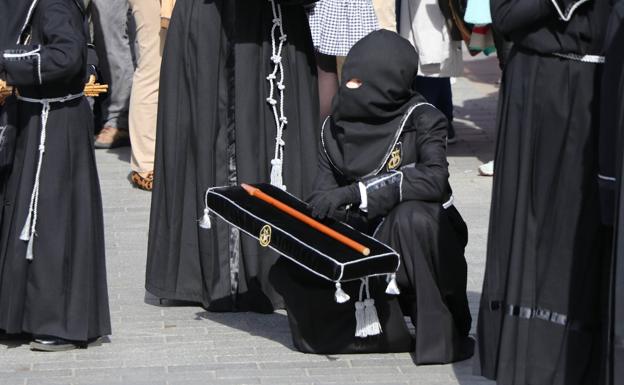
<point>383,170</point>
<point>540,315</point>
<point>610,179</point>
<point>225,65</point>
<point>52,267</point>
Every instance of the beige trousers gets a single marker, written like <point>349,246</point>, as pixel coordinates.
<point>144,98</point>
<point>386,14</point>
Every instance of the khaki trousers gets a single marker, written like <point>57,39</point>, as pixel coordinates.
<point>144,98</point>
<point>386,14</point>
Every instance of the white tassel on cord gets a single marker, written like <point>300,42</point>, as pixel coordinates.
<point>393,287</point>
<point>361,329</point>
<point>30,227</point>
<point>360,320</point>
<point>366,318</point>
<point>25,234</point>
<point>276,81</point>
<point>373,327</point>
<point>205,222</point>
<point>340,296</point>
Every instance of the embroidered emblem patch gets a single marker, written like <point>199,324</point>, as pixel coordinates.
<point>265,236</point>
<point>395,158</point>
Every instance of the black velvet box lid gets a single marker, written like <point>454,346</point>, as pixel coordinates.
<point>295,240</point>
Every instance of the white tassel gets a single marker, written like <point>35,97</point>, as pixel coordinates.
<point>373,327</point>
<point>277,179</point>
<point>360,320</point>
<point>205,222</point>
<point>29,249</point>
<point>340,295</point>
<point>393,287</point>
<point>25,234</point>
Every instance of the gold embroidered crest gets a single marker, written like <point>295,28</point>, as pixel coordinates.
<point>265,236</point>
<point>395,158</point>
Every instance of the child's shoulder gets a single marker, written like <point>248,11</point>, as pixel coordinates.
<point>423,116</point>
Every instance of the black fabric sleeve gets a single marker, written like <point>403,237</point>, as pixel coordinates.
<point>425,180</point>
<point>509,16</point>
<point>61,55</point>
<point>325,178</point>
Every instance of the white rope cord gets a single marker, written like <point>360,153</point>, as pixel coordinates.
<point>595,59</point>
<point>567,15</point>
<point>276,81</point>
<point>29,230</point>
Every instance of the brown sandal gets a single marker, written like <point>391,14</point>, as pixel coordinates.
<point>143,183</point>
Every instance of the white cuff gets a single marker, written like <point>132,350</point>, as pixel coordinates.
<point>363,197</point>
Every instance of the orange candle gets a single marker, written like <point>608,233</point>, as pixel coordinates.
<point>256,192</point>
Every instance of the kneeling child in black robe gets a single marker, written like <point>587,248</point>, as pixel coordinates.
<point>383,170</point>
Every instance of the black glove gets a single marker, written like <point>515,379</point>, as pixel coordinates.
<point>326,203</point>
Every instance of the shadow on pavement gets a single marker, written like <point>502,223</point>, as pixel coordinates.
<point>123,153</point>
<point>475,126</point>
<point>273,327</point>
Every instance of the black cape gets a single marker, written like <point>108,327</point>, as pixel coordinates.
<point>540,317</point>
<point>62,292</point>
<point>611,187</point>
<point>215,128</point>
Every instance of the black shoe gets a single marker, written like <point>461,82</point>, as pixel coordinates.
<point>51,344</point>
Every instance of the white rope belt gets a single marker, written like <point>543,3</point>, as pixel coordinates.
<point>595,59</point>
<point>30,227</point>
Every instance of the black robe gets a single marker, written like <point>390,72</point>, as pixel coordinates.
<point>215,128</point>
<point>62,292</point>
<point>540,317</point>
<point>610,179</point>
<point>407,214</point>
<point>616,341</point>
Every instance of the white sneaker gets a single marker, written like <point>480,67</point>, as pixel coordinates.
<point>487,169</point>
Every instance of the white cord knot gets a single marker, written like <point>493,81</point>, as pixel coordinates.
<point>272,101</point>
<point>276,59</point>
<point>271,77</point>
<point>281,86</point>
<point>283,38</point>
<point>284,120</point>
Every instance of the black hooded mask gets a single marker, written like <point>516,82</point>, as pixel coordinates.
<point>366,121</point>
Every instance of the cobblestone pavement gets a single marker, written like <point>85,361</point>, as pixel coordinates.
<point>186,345</point>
